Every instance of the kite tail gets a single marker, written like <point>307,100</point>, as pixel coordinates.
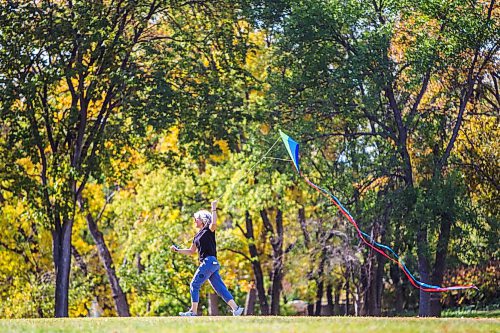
<point>379,247</point>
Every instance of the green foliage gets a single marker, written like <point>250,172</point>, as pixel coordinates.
<point>151,109</point>
<point>380,91</point>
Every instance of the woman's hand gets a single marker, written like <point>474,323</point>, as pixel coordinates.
<point>213,225</point>
<point>190,251</point>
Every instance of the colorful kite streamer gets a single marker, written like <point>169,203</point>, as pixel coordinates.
<point>293,149</point>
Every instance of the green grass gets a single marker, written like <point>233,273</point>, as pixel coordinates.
<point>490,311</point>
<point>252,324</point>
<point>472,314</point>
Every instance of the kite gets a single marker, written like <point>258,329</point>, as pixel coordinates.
<point>293,150</point>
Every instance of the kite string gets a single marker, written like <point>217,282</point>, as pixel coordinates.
<point>252,167</point>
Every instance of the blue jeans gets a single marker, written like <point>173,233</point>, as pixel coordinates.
<point>209,270</point>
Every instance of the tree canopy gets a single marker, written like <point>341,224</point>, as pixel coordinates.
<point>120,119</point>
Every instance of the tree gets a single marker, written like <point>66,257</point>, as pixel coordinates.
<point>79,74</point>
<point>396,80</point>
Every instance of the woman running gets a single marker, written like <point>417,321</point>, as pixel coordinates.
<point>204,243</point>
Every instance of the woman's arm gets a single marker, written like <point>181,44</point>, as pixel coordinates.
<point>213,225</point>
<point>190,251</point>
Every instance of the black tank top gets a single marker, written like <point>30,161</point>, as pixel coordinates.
<point>205,243</point>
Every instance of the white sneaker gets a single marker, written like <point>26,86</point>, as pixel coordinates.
<point>187,314</point>
<point>238,311</point>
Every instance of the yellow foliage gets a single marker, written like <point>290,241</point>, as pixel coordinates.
<point>95,195</point>
<point>245,285</point>
<point>205,62</point>
<point>95,106</point>
<point>27,165</point>
<point>174,215</point>
<point>257,59</point>
<point>80,309</point>
<point>169,142</point>
<point>373,184</point>
<point>265,129</point>
<point>224,146</point>
<point>128,157</point>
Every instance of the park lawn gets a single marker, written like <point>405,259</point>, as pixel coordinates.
<point>471,313</point>
<point>252,324</point>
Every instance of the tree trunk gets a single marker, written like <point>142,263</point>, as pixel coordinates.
<point>303,227</point>
<point>347,291</point>
<point>250,302</point>
<point>277,274</point>
<point>79,261</point>
<point>381,261</point>
<point>367,284</point>
<point>319,282</point>
<point>95,309</point>
<point>319,296</point>
<point>395,273</point>
<point>373,296</point>
<point>379,285</point>
<point>257,269</point>
<point>377,276</point>
<point>423,267</point>
<point>119,297</point>
<point>307,242</point>
<point>440,263</point>
<point>277,268</point>
<point>213,304</point>
<point>336,304</point>
<point>329,299</point>
<point>261,292</point>
<point>430,304</point>
<point>61,243</point>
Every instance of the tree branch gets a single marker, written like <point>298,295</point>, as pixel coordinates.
<point>237,252</point>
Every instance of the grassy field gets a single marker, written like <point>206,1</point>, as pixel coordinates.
<point>471,313</point>
<point>252,324</point>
